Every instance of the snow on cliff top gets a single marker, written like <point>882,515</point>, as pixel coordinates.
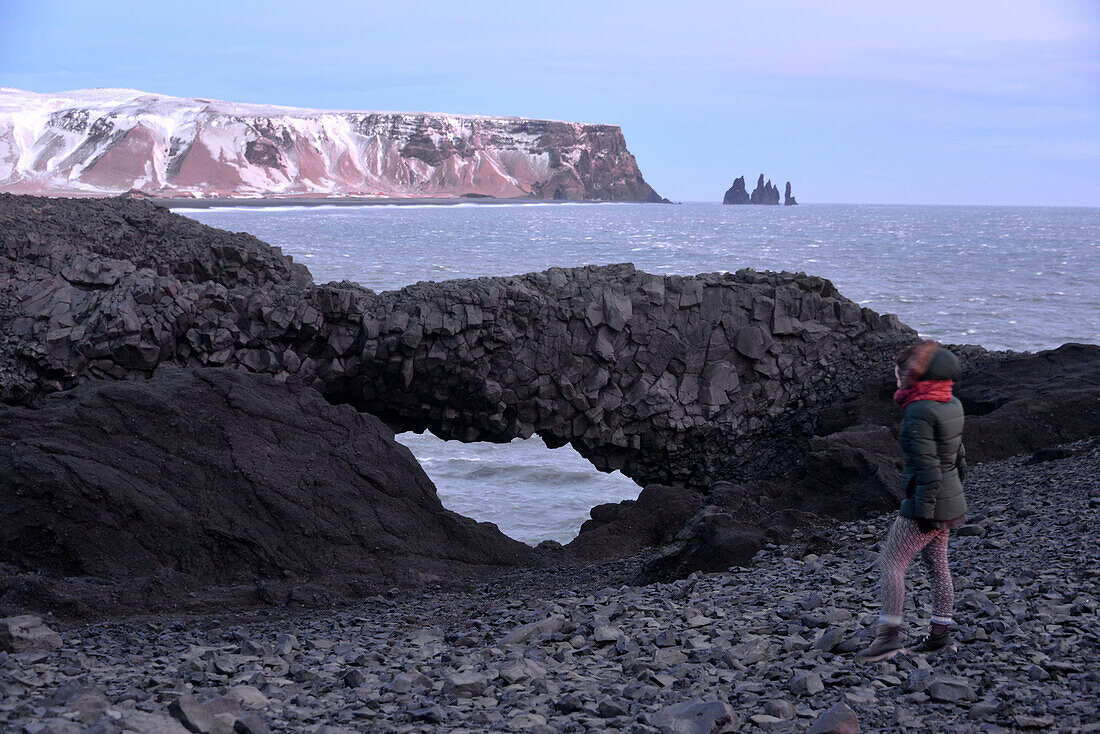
<point>16,101</point>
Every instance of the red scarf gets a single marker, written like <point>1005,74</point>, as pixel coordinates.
<point>938,390</point>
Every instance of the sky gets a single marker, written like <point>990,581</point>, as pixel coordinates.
<point>859,102</point>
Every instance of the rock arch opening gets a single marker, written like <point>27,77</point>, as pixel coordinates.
<point>530,491</point>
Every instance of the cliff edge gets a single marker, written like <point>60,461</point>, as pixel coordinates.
<point>109,141</point>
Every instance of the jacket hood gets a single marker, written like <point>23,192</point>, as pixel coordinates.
<point>927,361</point>
<point>944,366</point>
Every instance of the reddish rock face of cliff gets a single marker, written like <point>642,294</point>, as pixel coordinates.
<point>113,140</point>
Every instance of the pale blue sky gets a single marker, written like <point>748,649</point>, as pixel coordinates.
<point>931,102</point>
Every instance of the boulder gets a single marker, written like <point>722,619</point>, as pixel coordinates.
<point>203,479</point>
<point>196,717</point>
<point>837,719</point>
<point>27,633</point>
<point>696,716</point>
<point>523,633</point>
<point>847,475</point>
<point>712,540</point>
<point>951,689</point>
<point>465,684</point>
<point>625,528</point>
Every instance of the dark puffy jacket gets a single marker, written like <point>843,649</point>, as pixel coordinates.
<point>935,460</point>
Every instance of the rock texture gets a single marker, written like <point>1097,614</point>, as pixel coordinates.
<point>110,141</point>
<point>216,478</point>
<point>27,633</point>
<point>846,475</point>
<point>625,528</point>
<point>1015,403</point>
<point>678,380</point>
<point>1029,402</point>
<point>768,648</point>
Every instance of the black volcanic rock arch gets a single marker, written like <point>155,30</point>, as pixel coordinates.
<point>673,379</point>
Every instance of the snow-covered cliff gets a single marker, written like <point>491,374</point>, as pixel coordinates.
<point>107,141</point>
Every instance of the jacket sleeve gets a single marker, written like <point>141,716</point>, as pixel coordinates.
<point>960,462</point>
<point>926,460</point>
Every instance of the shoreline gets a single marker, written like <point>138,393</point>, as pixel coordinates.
<point>312,202</point>
<point>764,647</point>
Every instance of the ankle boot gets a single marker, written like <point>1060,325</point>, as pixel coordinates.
<point>887,644</point>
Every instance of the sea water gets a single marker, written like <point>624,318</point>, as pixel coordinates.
<point>1018,278</point>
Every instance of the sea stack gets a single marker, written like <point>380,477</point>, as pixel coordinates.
<point>737,193</point>
<point>788,199</point>
<point>765,193</point>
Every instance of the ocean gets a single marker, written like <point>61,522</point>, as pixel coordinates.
<point>1020,278</point>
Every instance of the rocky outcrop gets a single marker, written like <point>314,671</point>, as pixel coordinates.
<point>679,380</point>
<point>198,479</point>
<point>1029,402</point>
<point>764,193</point>
<point>737,193</point>
<point>1016,404</point>
<point>127,270</point>
<point>624,528</point>
<point>109,141</point>
<point>771,385</point>
<point>847,475</point>
<point>712,540</point>
<point>788,199</point>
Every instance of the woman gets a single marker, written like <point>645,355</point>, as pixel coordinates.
<point>931,438</point>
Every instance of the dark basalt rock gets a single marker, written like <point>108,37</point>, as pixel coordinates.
<point>675,380</point>
<point>97,237</point>
<point>789,200</point>
<point>198,479</point>
<point>764,193</point>
<point>737,193</point>
<point>848,475</point>
<point>620,529</point>
<point>696,531</point>
<point>686,382</point>
<point>1018,404</point>
<point>712,540</point>
<point>1015,403</point>
<point>1029,402</point>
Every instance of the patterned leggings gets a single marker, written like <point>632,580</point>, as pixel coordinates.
<point>902,543</point>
